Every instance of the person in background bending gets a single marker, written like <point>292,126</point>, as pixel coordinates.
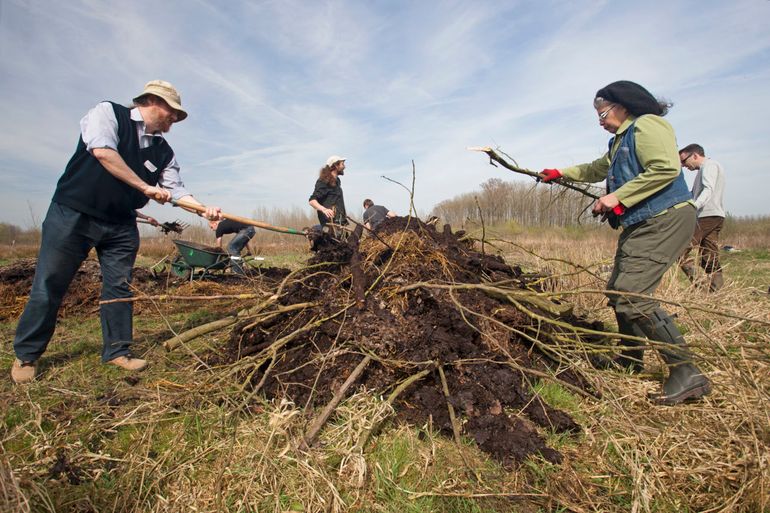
<point>244,233</point>
<point>375,214</point>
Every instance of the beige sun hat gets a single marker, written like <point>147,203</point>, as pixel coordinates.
<point>334,159</point>
<point>165,90</point>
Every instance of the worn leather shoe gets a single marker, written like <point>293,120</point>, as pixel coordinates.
<point>129,363</point>
<point>23,372</point>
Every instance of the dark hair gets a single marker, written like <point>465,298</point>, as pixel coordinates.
<point>636,99</point>
<point>139,101</point>
<point>693,148</point>
<point>146,100</point>
<point>368,203</point>
<point>325,175</point>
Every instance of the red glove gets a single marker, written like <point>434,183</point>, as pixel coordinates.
<point>549,175</point>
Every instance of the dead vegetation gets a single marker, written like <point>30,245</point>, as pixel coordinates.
<point>457,336</point>
<point>455,342</point>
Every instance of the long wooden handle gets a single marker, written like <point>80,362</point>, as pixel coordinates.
<point>245,220</point>
<point>516,169</point>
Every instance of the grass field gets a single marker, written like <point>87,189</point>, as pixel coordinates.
<point>186,436</point>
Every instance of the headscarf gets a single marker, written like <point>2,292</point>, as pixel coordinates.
<point>636,99</point>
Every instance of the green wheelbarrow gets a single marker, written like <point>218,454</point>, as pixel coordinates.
<point>196,258</point>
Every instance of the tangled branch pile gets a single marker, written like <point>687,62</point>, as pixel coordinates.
<point>455,336</point>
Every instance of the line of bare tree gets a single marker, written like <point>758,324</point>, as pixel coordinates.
<point>527,204</point>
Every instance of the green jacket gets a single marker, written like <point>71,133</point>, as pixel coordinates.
<point>658,154</point>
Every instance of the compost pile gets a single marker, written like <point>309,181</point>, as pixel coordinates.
<point>423,309</point>
<point>81,297</point>
<point>83,294</point>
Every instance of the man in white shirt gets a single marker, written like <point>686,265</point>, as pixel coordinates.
<point>708,193</point>
<point>122,160</point>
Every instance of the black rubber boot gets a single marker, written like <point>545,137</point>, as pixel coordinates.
<point>689,271</point>
<point>685,381</point>
<point>716,281</point>
<point>630,360</point>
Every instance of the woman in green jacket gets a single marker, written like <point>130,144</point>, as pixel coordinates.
<point>648,197</point>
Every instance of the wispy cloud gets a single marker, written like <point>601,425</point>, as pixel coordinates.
<point>275,87</point>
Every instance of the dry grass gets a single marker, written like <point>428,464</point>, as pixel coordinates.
<point>182,439</point>
<point>12,497</point>
<point>707,456</point>
<point>747,232</point>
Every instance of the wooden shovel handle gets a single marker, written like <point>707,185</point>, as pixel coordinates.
<point>245,220</point>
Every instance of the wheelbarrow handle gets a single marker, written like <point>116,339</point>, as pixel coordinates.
<point>245,220</point>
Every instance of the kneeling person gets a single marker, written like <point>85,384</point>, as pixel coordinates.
<point>374,215</point>
<point>244,234</point>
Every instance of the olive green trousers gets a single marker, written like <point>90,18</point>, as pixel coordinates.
<point>645,252</point>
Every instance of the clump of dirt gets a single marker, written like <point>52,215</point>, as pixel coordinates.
<point>64,469</point>
<point>415,299</point>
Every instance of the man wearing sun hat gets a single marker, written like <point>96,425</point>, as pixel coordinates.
<point>121,162</point>
<point>327,197</point>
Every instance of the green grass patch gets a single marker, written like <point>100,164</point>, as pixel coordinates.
<point>290,260</point>
<point>539,471</point>
<point>14,416</point>
<point>557,396</point>
<point>747,268</point>
<point>405,473</point>
<point>199,317</point>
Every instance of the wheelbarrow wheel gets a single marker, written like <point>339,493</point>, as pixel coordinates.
<point>180,268</point>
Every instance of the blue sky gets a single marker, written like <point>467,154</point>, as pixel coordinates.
<point>275,87</point>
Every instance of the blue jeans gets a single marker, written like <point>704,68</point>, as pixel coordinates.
<point>236,246</point>
<point>240,240</point>
<point>68,236</point>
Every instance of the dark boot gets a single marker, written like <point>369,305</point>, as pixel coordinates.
<point>631,360</point>
<point>689,271</point>
<point>716,281</point>
<point>685,381</point>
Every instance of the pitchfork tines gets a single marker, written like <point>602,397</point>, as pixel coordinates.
<point>174,226</point>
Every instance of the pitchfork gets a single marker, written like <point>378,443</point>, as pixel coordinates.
<point>174,226</point>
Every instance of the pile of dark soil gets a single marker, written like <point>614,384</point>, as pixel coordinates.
<point>412,298</point>
<point>83,294</point>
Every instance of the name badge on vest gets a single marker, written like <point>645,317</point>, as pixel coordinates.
<point>150,166</point>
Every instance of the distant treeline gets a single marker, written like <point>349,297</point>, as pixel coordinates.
<point>499,202</point>
<point>504,203</point>
<point>10,235</point>
<point>526,204</point>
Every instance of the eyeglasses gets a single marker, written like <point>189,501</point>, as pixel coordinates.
<point>606,112</point>
<point>683,161</point>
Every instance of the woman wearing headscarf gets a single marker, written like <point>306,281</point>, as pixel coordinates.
<point>647,196</point>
